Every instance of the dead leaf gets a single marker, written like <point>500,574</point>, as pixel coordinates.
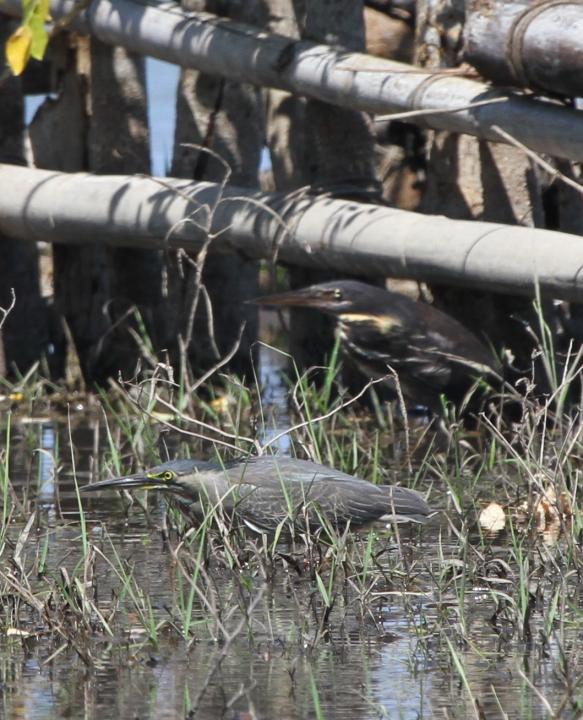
<point>15,632</point>
<point>549,508</point>
<point>492,518</point>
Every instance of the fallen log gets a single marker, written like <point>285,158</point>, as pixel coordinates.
<point>240,52</point>
<point>528,44</point>
<point>346,237</point>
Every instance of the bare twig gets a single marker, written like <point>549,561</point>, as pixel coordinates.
<point>439,111</point>
<point>4,312</point>
<point>462,71</point>
<point>201,423</point>
<point>182,431</point>
<point>327,415</point>
<point>536,158</point>
<point>223,361</point>
<point>403,407</point>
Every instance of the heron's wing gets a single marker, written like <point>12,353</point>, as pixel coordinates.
<point>400,349</point>
<point>406,505</point>
<point>312,505</point>
<point>324,501</point>
<point>267,469</point>
<point>427,361</point>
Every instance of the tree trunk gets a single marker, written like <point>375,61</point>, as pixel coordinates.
<point>388,37</point>
<point>102,105</point>
<point>56,150</point>
<point>569,205</point>
<point>118,142</point>
<point>218,117</point>
<point>400,146</point>
<point>24,335</point>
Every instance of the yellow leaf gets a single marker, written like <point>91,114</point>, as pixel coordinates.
<point>18,49</point>
<point>221,404</point>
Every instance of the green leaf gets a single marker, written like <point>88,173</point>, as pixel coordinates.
<point>40,37</point>
<point>323,591</point>
<point>37,23</point>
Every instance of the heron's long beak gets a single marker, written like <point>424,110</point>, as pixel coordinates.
<point>305,297</point>
<point>139,480</point>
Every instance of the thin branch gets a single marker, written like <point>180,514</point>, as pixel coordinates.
<point>462,71</point>
<point>439,111</point>
<point>220,363</point>
<point>536,158</point>
<point>327,415</point>
<point>201,423</point>
<point>152,415</point>
<point>4,312</point>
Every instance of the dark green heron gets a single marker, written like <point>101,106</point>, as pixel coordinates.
<point>267,492</point>
<point>432,353</point>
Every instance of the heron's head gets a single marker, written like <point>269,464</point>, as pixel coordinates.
<point>354,304</point>
<point>339,297</point>
<point>174,476</point>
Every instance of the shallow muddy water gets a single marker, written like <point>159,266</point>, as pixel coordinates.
<point>413,639</point>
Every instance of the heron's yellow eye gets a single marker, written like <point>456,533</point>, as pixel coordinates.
<point>338,294</point>
<point>168,476</point>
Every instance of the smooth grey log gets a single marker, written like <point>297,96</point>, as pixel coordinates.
<point>348,237</point>
<point>360,82</point>
<point>525,43</point>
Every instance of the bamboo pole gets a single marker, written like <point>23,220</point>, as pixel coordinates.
<point>523,43</point>
<point>347,237</point>
<point>360,82</point>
